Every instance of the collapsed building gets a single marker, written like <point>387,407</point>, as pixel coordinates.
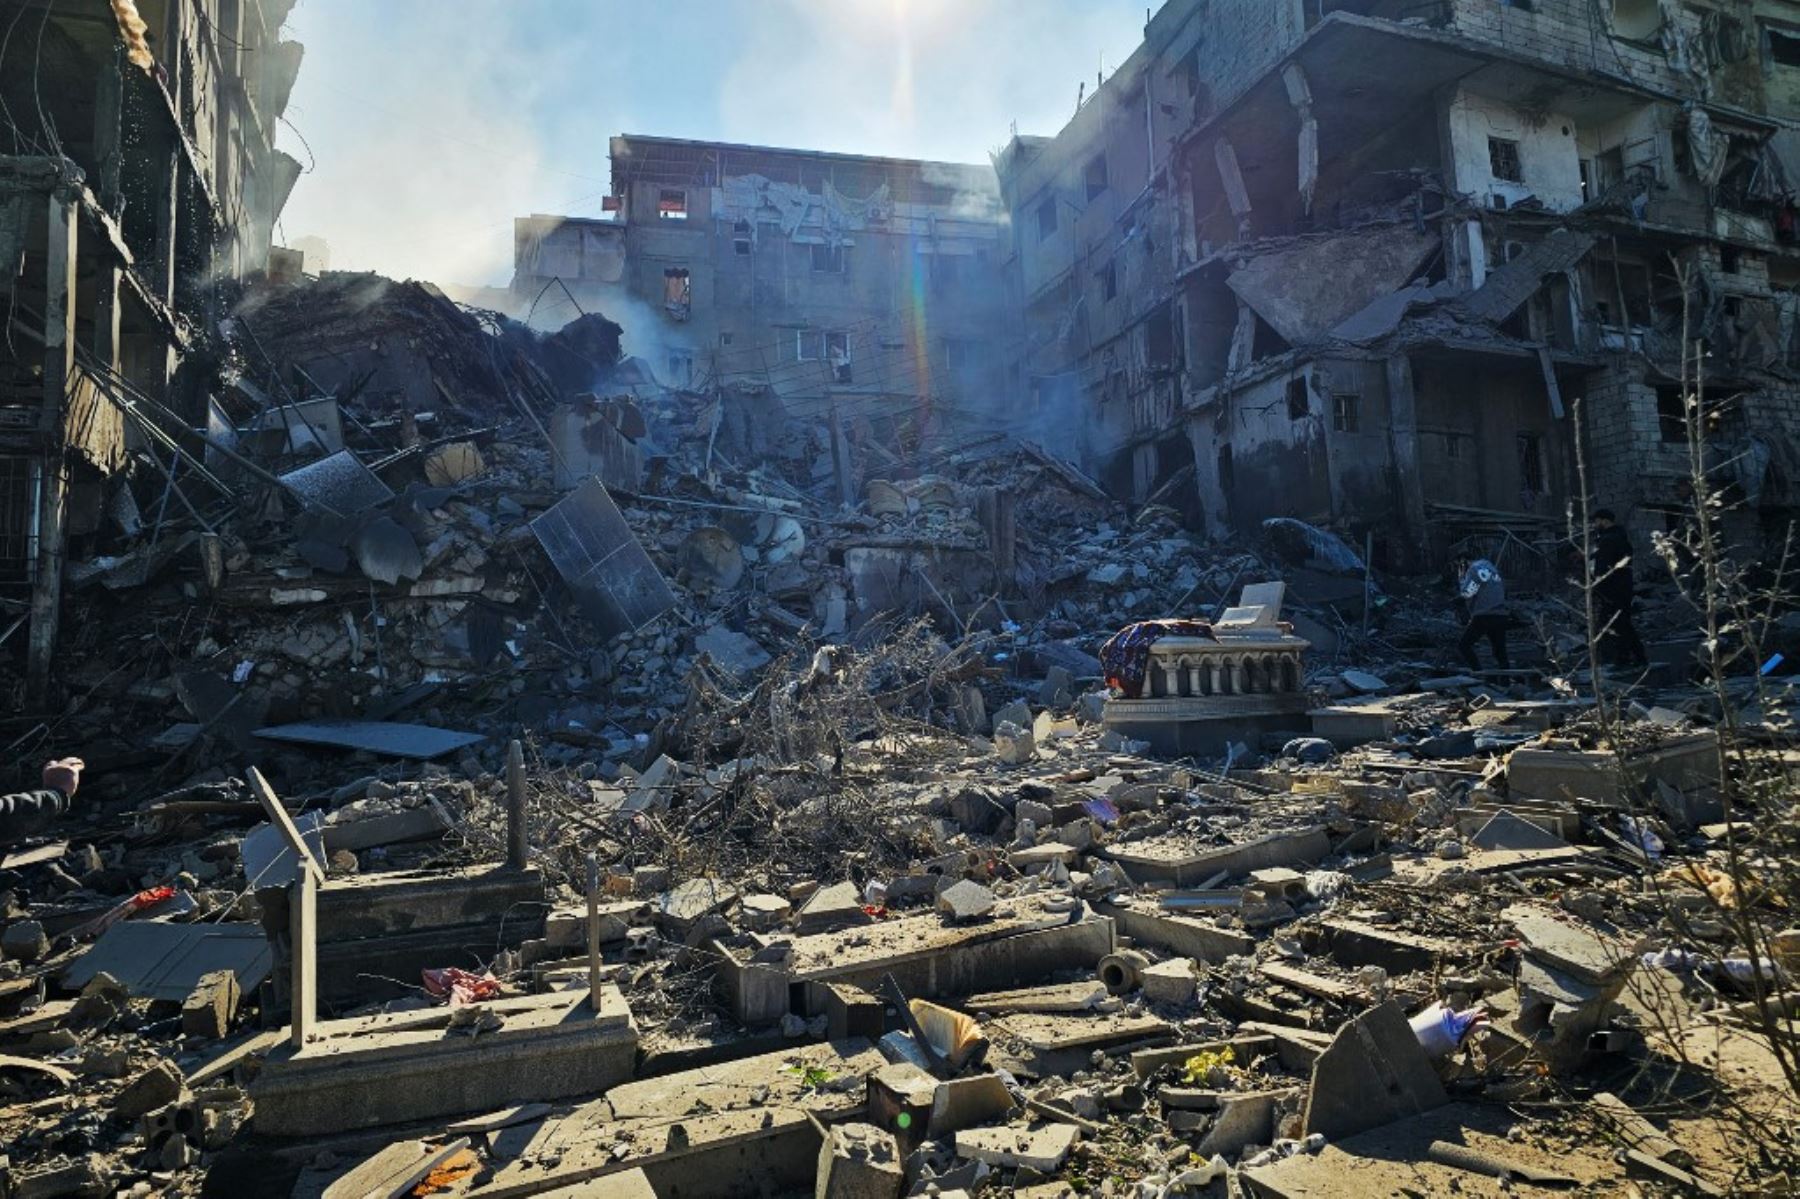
<point>529,763</point>
<point>1370,264</point>
<point>140,177</point>
<point>860,291</point>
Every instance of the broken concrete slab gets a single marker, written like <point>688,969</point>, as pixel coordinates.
<point>387,1069</point>
<point>827,1079</point>
<point>156,960</point>
<point>732,651</point>
<point>926,956</point>
<point>161,1084</point>
<point>1041,1147</point>
<point>393,1171</point>
<point>965,901</point>
<point>209,1009</point>
<point>1179,862</point>
<point>1082,996</point>
<point>1190,936</point>
<point>1576,948</point>
<point>1042,1044</point>
<point>1244,1118</point>
<point>836,906</point>
<point>1374,1073</point>
<point>683,906</point>
<point>416,741</point>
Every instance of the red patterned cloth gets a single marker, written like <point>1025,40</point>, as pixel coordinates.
<point>460,986</point>
<point>1125,658</point>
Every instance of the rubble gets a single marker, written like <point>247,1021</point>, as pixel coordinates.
<point>630,813</point>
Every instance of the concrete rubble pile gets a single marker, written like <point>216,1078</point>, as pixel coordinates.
<point>673,825</point>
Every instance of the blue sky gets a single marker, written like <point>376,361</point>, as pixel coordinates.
<point>430,125</point>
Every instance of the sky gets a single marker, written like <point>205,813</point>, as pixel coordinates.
<point>425,127</point>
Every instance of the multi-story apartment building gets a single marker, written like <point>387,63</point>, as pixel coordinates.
<point>869,288</point>
<point>137,172</point>
<point>1373,258</point>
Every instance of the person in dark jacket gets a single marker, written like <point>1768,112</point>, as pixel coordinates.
<point>1613,588</point>
<point>1483,593</point>
<point>32,813</point>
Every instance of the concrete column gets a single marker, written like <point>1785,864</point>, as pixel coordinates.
<point>1171,677</point>
<point>1217,674</point>
<point>1232,179</point>
<point>1193,674</point>
<point>303,933</point>
<point>1403,445</point>
<point>515,805</point>
<point>53,493</point>
<point>1236,665</point>
<point>109,108</point>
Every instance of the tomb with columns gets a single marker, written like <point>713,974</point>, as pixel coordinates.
<point>1200,694</point>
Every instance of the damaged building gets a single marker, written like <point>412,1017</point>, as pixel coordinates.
<point>138,178</point>
<point>1368,263</point>
<point>863,290</point>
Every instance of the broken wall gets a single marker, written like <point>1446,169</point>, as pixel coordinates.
<point>1638,451</point>
<point>1487,438</point>
<point>1484,133</point>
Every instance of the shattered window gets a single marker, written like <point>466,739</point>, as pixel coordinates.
<point>1503,159</point>
<point>1671,416</point>
<point>1299,398</point>
<point>1096,177</point>
<point>677,291</point>
<point>671,205</point>
<point>1346,414</point>
<point>1047,218</point>
<point>815,345</point>
<point>1784,48</point>
<point>828,260</point>
<point>740,237</point>
<point>1531,462</point>
<point>681,368</point>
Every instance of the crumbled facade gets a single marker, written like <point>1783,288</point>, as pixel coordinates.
<point>869,288</point>
<point>1375,260</point>
<point>139,177</point>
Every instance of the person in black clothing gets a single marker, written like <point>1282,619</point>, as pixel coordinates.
<point>29,813</point>
<point>1613,587</point>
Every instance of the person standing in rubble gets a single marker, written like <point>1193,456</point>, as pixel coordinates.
<point>32,813</point>
<point>1614,586</point>
<point>1483,593</point>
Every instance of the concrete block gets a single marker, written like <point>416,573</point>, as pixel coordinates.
<point>850,1011</point>
<point>210,1009</point>
<point>156,1087</point>
<point>761,913</point>
<point>1041,1148</point>
<point>1172,981</point>
<point>1374,1073</point>
<point>24,941</point>
<point>965,901</point>
<point>859,1161</point>
<point>835,906</point>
